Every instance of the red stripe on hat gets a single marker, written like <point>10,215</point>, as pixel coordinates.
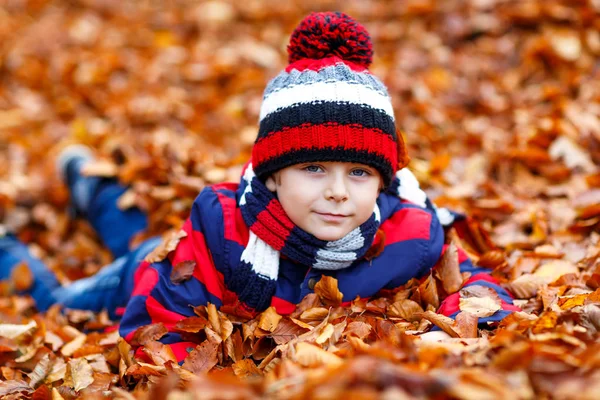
<point>317,65</point>
<point>315,137</point>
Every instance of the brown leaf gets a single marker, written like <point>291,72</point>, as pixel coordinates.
<point>14,386</point>
<point>466,325</point>
<point>327,290</point>
<point>449,271</point>
<point>309,301</point>
<point>40,371</point>
<point>246,369</point>
<point>234,346</point>
<point>407,309</point>
<point>314,314</point>
<point>269,319</point>
<point>428,292</point>
<point>202,359</point>
<point>447,324</point>
<point>158,352</point>
<point>21,277</point>
<point>147,333</point>
<point>169,243</point>
<point>358,329</point>
<point>309,355</point>
<point>191,324</point>
<point>81,373</point>
<point>182,271</point>
<point>286,330</point>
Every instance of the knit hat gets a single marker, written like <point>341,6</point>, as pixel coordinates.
<point>326,105</point>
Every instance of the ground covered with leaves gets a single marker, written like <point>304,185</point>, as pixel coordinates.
<point>500,105</point>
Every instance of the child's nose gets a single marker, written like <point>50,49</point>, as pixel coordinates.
<point>337,190</point>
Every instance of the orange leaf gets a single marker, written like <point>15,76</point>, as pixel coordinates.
<point>182,271</point>
<point>159,353</point>
<point>407,309</point>
<point>327,290</point>
<point>168,244</point>
<point>447,324</point>
<point>203,358</point>
<point>359,329</point>
<point>21,277</point>
<point>191,324</point>
<point>287,330</point>
<point>428,292</point>
<point>466,325</point>
<point>147,333</point>
<point>269,319</point>
<point>246,369</point>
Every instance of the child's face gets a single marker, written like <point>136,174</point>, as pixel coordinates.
<point>327,199</point>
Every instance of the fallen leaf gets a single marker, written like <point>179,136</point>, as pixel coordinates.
<point>13,331</point>
<point>182,271</point>
<point>191,324</point>
<point>309,355</point>
<point>168,244</point>
<point>269,319</point>
<point>202,359</point>
<point>246,369</point>
<point>158,352</point>
<point>287,330</point>
<point>327,290</point>
<point>358,329</point>
<point>81,373</point>
<point>71,347</point>
<point>21,277</point>
<point>449,270</point>
<point>147,333</point>
<point>407,309</point>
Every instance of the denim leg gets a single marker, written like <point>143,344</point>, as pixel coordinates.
<point>110,288</point>
<point>115,227</point>
<point>12,253</point>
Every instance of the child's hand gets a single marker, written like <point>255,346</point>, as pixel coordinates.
<point>435,336</point>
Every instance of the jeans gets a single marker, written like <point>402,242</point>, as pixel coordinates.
<point>111,287</point>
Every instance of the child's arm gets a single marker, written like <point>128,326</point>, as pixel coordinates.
<point>157,299</point>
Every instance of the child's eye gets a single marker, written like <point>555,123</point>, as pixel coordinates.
<point>312,168</point>
<point>360,172</point>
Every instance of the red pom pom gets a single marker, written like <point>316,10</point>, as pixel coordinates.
<point>326,34</point>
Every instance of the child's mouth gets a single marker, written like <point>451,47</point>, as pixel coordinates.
<point>332,217</point>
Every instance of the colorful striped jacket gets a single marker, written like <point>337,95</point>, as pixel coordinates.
<point>216,237</point>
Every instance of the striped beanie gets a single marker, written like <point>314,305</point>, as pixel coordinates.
<point>326,105</point>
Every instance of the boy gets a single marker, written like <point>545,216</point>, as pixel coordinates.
<point>324,194</point>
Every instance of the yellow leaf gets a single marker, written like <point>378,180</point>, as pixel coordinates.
<point>325,335</point>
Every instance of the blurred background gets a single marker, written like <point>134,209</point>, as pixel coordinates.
<point>499,102</point>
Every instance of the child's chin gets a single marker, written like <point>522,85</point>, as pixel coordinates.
<point>329,236</point>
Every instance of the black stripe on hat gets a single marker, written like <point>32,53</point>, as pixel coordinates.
<point>318,113</point>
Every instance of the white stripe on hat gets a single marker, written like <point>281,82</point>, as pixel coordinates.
<point>326,91</point>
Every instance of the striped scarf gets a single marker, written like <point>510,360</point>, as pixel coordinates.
<point>273,234</point>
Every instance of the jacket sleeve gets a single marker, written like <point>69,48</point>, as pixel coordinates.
<point>482,277</point>
<point>156,299</point>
